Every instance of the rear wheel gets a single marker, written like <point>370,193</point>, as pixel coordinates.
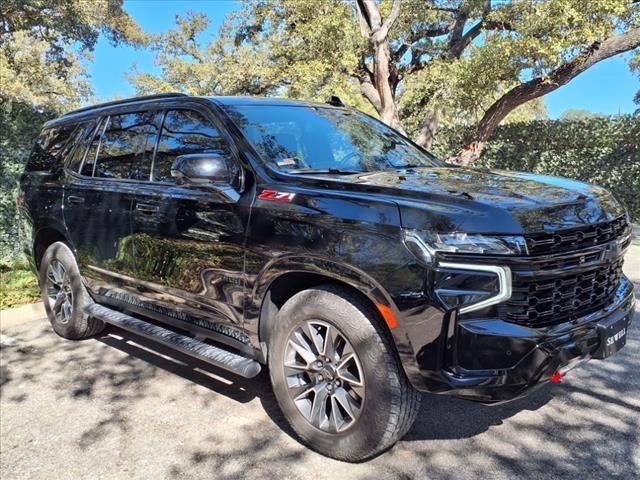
<point>64,294</point>
<point>336,377</point>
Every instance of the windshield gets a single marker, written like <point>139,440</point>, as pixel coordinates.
<point>305,139</point>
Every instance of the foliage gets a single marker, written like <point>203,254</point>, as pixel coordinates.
<point>577,115</point>
<point>448,61</point>
<point>43,48</point>
<point>600,150</point>
<point>20,125</point>
<point>43,45</point>
<point>18,285</point>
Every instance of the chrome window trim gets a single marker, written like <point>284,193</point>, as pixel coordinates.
<point>504,283</point>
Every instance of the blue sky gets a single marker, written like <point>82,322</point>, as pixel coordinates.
<point>607,87</point>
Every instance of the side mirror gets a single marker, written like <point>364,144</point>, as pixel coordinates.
<point>202,169</point>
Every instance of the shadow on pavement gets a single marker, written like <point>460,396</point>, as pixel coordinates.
<point>586,427</point>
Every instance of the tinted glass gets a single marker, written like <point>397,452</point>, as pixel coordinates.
<point>50,147</point>
<point>90,157</point>
<point>322,138</point>
<point>184,132</point>
<point>127,147</point>
<point>79,145</point>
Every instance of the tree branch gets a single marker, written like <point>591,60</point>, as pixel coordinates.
<point>460,40</point>
<point>540,86</point>
<point>382,33</point>
<point>370,93</point>
<point>419,35</point>
<point>458,29</point>
<point>379,88</point>
<point>363,20</point>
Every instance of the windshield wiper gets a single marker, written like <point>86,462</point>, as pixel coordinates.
<point>332,171</point>
<point>405,167</point>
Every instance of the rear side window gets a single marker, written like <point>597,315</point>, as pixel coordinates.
<point>92,150</point>
<point>78,144</point>
<point>185,132</point>
<point>50,148</point>
<point>127,146</point>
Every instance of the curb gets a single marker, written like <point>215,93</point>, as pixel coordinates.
<point>25,313</point>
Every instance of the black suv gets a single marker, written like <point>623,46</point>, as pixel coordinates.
<point>318,241</point>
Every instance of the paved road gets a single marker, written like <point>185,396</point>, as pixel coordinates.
<point>120,407</point>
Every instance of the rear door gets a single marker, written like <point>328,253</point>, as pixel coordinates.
<point>42,180</point>
<point>188,241</point>
<point>102,179</point>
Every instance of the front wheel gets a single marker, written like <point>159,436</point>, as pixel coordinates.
<point>64,294</point>
<point>336,377</point>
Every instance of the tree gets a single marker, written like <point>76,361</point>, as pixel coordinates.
<point>43,44</point>
<point>418,64</point>
<point>577,115</point>
<point>635,66</point>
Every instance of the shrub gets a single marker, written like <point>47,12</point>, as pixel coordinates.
<point>19,127</point>
<point>600,150</point>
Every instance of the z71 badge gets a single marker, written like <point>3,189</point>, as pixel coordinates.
<point>276,196</point>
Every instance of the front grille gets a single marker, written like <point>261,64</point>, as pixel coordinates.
<point>576,238</point>
<point>541,301</point>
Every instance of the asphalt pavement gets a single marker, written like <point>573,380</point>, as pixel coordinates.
<point>119,406</point>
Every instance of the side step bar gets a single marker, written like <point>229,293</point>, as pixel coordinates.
<point>233,362</point>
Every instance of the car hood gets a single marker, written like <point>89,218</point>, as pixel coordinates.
<point>489,201</point>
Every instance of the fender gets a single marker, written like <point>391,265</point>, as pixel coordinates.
<point>337,272</point>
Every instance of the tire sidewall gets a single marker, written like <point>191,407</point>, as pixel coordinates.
<point>380,381</point>
<point>77,324</point>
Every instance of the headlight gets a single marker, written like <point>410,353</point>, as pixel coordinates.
<point>424,245</point>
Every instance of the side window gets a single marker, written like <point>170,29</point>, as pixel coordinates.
<point>92,150</point>
<point>49,148</point>
<point>127,146</point>
<point>185,132</point>
<point>78,145</point>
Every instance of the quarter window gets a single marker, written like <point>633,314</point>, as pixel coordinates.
<point>50,147</point>
<point>185,132</point>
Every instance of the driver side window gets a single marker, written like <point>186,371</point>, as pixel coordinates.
<point>185,132</point>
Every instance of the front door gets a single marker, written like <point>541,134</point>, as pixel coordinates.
<point>188,241</point>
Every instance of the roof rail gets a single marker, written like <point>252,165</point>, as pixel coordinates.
<point>125,101</point>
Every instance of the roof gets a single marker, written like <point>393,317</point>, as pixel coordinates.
<point>222,101</point>
<point>125,101</point>
<point>262,101</point>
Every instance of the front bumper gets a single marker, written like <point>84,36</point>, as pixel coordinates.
<point>494,361</point>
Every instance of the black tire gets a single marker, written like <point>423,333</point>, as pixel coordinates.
<point>389,405</point>
<point>72,323</point>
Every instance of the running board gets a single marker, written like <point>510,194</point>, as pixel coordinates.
<point>233,362</point>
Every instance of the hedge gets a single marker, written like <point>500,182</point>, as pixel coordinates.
<point>600,150</point>
<point>19,127</point>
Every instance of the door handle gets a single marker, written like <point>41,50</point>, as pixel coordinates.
<point>75,200</point>
<point>146,208</point>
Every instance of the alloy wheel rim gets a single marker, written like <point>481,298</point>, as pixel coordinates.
<point>59,294</point>
<point>324,376</point>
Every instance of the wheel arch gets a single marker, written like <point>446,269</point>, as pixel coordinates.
<point>281,280</point>
<point>43,238</point>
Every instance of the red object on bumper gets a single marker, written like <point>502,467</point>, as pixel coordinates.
<point>556,377</point>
